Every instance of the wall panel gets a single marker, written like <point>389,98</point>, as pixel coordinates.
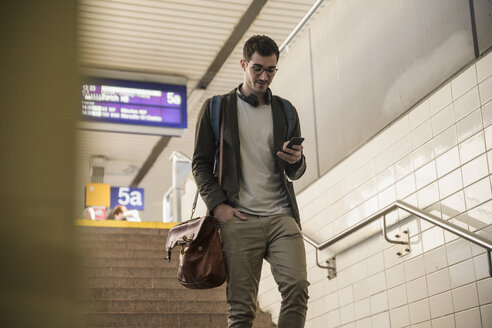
<point>294,82</point>
<point>483,19</point>
<point>373,60</point>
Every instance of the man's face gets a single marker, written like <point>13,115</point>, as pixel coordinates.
<point>258,73</point>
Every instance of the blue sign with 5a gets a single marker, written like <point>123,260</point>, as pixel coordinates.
<point>130,197</point>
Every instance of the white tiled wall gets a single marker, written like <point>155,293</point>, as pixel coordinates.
<point>437,157</point>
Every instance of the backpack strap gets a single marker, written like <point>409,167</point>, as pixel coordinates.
<point>215,110</point>
<point>290,116</point>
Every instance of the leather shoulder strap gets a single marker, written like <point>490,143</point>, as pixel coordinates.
<point>221,142</point>
<point>215,118</point>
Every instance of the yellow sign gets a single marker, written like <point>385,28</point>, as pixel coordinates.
<point>97,194</point>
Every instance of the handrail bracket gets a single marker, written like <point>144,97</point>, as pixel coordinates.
<point>402,240</point>
<point>330,265</point>
<point>332,268</point>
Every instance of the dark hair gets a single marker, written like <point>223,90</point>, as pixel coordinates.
<point>261,44</point>
<point>119,209</point>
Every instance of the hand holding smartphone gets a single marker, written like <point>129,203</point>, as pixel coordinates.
<point>295,141</point>
<point>296,155</point>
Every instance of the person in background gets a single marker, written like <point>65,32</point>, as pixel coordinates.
<point>255,205</point>
<point>118,213</point>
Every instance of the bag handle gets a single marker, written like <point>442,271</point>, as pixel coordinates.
<point>221,146</point>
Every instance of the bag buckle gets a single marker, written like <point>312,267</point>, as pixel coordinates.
<point>185,242</point>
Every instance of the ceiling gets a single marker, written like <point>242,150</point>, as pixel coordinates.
<point>196,39</point>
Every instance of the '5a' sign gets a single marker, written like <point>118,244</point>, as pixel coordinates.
<point>131,198</point>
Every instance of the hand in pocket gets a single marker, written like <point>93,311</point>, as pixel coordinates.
<point>224,212</point>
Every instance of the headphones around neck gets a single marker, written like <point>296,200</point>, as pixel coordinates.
<point>252,99</point>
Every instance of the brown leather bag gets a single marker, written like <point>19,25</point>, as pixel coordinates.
<point>201,260</point>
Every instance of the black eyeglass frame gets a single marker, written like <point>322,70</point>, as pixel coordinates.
<point>270,71</point>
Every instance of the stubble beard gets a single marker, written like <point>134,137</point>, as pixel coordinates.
<point>260,87</point>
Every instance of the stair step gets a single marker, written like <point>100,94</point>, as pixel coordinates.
<point>123,244</point>
<point>128,253</point>
<point>123,230</point>
<point>145,306</point>
<point>88,239</point>
<point>154,320</point>
<point>130,272</point>
<point>155,294</point>
<point>169,320</point>
<point>118,282</point>
<point>129,262</point>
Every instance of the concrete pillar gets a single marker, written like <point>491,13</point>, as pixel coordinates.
<point>39,101</point>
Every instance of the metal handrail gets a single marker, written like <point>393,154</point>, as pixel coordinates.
<point>299,26</point>
<point>453,228</point>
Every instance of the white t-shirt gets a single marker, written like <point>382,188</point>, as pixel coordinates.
<point>261,191</point>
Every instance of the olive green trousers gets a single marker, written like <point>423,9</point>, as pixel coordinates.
<point>278,240</point>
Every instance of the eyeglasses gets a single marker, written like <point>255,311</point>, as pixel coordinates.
<point>259,69</point>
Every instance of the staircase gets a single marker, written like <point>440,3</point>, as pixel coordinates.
<point>126,283</point>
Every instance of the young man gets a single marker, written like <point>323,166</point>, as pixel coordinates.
<point>255,205</point>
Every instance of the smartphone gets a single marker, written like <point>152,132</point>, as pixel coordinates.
<point>295,141</point>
